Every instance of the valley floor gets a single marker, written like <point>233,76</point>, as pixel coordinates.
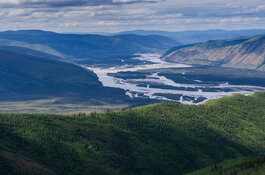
<point>136,81</point>
<point>165,81</point>
<point>54,106</point>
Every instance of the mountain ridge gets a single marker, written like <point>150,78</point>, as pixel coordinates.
<point>245,53</point>
<point>197,36</point>
<point>86,46</point>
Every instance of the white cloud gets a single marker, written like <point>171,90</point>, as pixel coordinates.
<point>116,15</point>
<point>10,1</point>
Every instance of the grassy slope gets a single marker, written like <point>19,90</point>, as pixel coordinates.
<point>157,139</point>
<point>240,166</point>
<point>245,53</point>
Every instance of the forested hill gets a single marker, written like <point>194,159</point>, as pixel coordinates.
<point>246,53</point>
<point>25,77</point>
<point>164,138</point>
<point>72,46</point>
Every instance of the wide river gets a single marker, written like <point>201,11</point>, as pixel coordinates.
<point>186,96</point>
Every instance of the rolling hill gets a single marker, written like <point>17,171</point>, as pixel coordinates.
<point>30,49</point>
<point>164,138</point>
<point>77,46</point>
<point>25,77</point>
<point>245,53</point>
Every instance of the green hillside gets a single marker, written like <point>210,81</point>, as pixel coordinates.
<point>240,166</point>
<point>164,138</point>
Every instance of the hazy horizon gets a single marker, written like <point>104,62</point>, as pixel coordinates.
<point>102,33</point>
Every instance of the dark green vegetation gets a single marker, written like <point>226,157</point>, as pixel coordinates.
<point>85,47</point>
<point>165,138</point>
<point>241,166</point>
<point>244,53</point>
<point>188,37</point>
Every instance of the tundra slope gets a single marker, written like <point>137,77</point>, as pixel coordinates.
<point>245,53</point>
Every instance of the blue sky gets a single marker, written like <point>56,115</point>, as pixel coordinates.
<point>119,15</point>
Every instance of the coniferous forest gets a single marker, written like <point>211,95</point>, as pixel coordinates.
<point>166,138</point>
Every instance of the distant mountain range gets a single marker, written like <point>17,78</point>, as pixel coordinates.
<point>189,37</point>
<point>78,46</point>
<point>93,47</point>
<point>246,53</point>
<point>97,49</point>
